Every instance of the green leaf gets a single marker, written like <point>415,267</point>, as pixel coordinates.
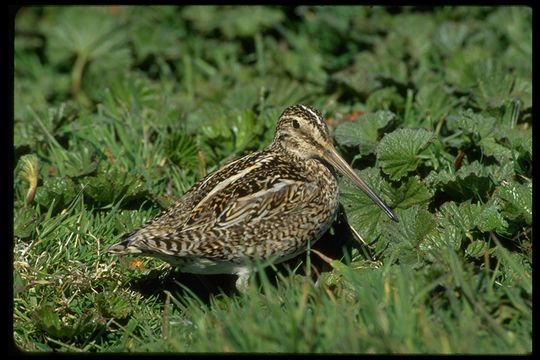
<point>447,235</point>
<point>159,41</point>
<point>305,63</point>
<point>494,83</point>
<point>181,150</point>
<point>231,132</point>
<point>48,320</point>
<point>415,223</point>
<point>245,128</point>
<point>233,21</point>
<point>459,67</point>
<point>491,148</point>
<point>450,36</point>
<point>517,198</point>
<point>362,213</point>
<point>467,216</point>
<point>114,305</point>
<point>129,95</point>
<point>24,222</point>
<point>477,249</point>
<point>19,285</point>
<point>60,190</point>
<point>92,31</point>
<point>490,219</point>
<point>386,98</point>
<point>498,173</point>
<point>433,102</point>
<point>462,216</point>
<point>75,163</point>
<point>399,152</point>
<point>369,70</point>
<point>404,239</point>
<point>106,188</point>
<point>363,132</point>
<point>518,138</point>
<point>283,91</point>
<point>470,181</point>
<point>516,269</point>
<point>411,193</point>
<point>415,31</point>
<point>471,123</point>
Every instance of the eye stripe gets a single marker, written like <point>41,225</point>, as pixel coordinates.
<point>313,113</point>
<point>321,125</point>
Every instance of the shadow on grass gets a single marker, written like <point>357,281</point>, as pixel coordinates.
<point>336,246</point>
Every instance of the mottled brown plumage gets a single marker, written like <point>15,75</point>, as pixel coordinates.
<point>267,205</point>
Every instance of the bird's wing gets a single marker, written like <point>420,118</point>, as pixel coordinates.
<point>257,196</point>
<point>247,194</point>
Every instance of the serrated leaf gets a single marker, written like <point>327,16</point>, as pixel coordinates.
<point>60,190</point>
<point>79,163</point>
<point>405,238</point>
<point>48,320</point>
<point>363,132</point>
<point>519,138</point>
<point>113,305</point>
<point>233,21</point>
<point>471,123</point>
<point>518,199</point>
<point>449,36</point>
<point>476,249</point>
<point>516,268</point>
<point>415,223</point>
<point>385,98</point>
<point>398,152</point>
<point>458,68</point>
<point>148,39</point>
<point>494,83</point>
<point>368,70</point>
<point>470,181</point>
<point>24,222</point>
<point>106,188</point>
<point>410,193</point>
<point>92,31</point>
<point>468,216</point>
<point>232,132</point>
<point>491,148</point>
<point>490,219</point>
<point>362,213</point>
<point>498,173</point>
<point>463,215</point>
<point>446,235</point>
<point>432,102</point>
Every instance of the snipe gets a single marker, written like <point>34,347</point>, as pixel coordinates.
<point>266,205</point>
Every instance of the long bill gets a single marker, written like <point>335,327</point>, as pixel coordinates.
<point>341,165</point>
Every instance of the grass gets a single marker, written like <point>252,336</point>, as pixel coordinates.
<point>119,110</point>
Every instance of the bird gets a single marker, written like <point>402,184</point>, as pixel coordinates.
<point>267,206</point>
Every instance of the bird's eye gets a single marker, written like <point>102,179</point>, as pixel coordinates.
<point>295,124</point>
